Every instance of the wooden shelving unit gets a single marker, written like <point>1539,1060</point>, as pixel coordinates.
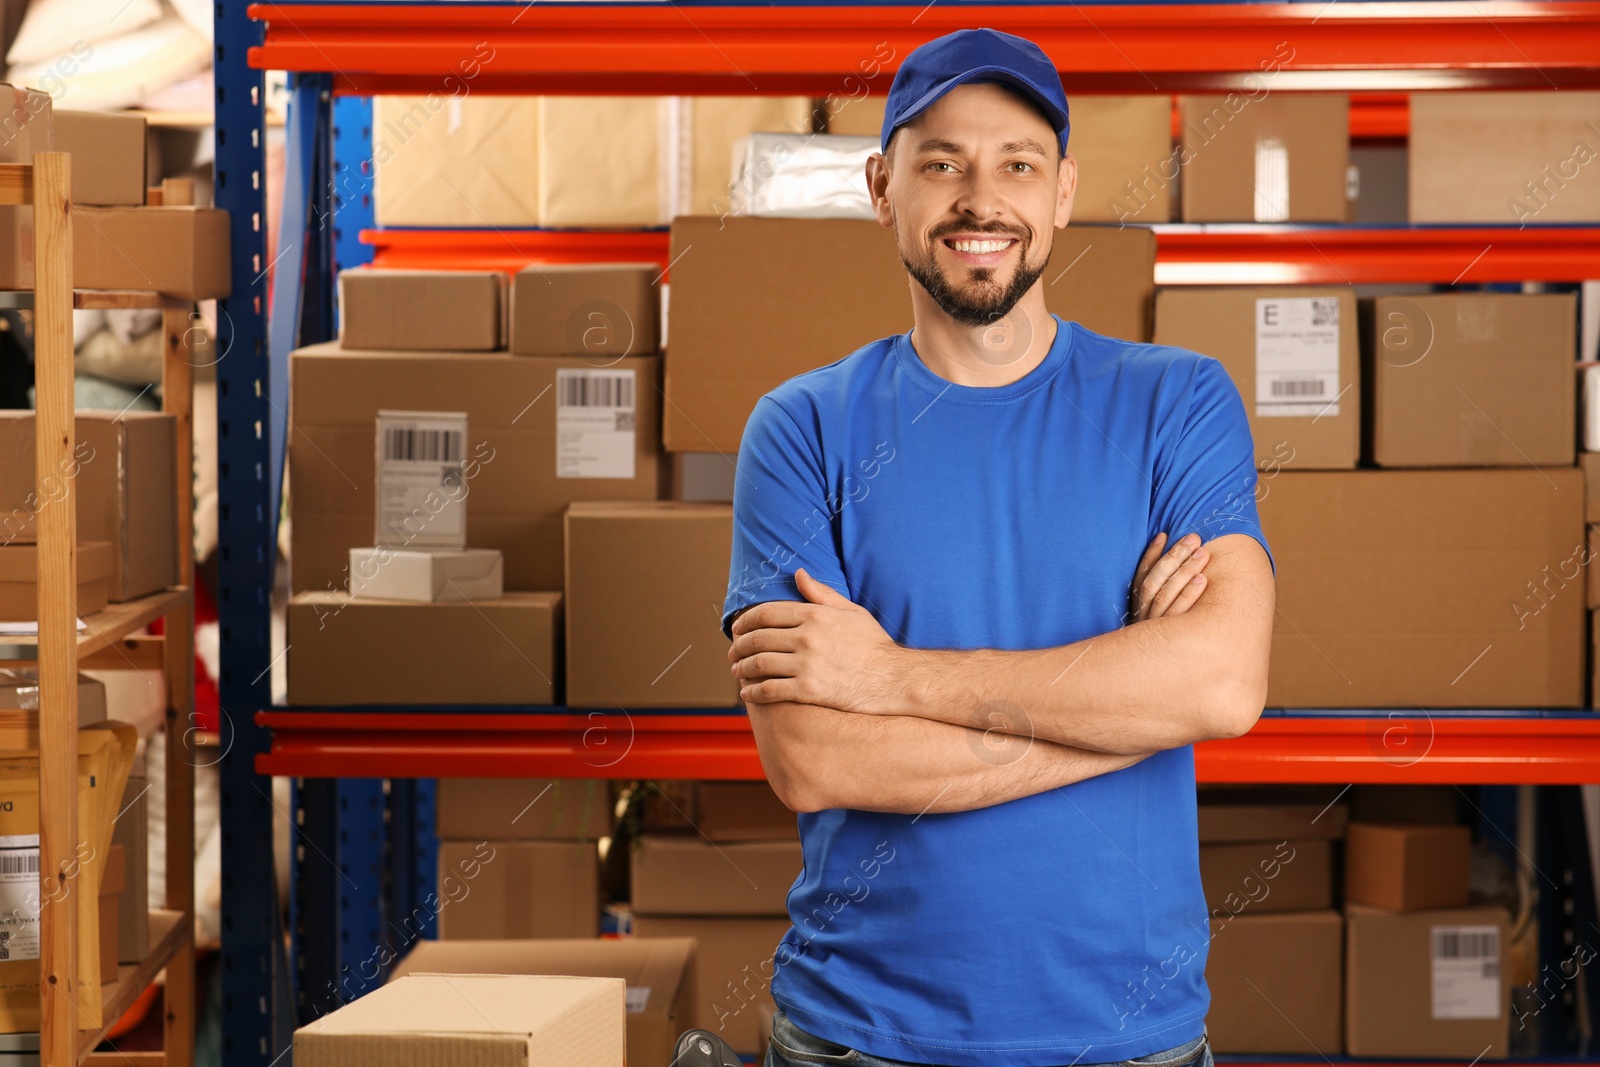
<point>108,640</point>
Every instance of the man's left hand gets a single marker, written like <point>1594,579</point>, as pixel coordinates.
<point>828,651</point>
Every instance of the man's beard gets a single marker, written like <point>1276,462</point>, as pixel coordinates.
<point>989,304</point>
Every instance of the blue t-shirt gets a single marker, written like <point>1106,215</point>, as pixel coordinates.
<point>1064,926</point>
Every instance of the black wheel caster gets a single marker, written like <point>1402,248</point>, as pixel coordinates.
<point>702,1048</point>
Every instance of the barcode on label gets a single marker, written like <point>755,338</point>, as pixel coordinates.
<point>1298,387</point>
<point>26,863</point>
<point>422,445</point>
<point>596,391</point>
<point>1467,944</point>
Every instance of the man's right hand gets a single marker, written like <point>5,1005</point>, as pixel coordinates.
<point>1168,584</point>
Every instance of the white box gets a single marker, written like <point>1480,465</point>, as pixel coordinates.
<point>427,574</point>
<point>421,496</point>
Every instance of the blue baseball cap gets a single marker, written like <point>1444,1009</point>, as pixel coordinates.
<point>981,55</point>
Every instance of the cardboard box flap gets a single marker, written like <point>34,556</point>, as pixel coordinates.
<point>534,1006</point>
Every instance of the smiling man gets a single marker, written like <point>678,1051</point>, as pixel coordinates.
<point>934,539</point>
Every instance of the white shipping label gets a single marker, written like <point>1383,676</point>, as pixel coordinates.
<point>19,897</point>
<point>637,998</point>
<point>594,423</point>
<point>1466,972</point>
<point>421,491</point>
<point>1297,356</point>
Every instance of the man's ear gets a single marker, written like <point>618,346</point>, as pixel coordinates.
<point>1066,188</point>
<point>878,189</point>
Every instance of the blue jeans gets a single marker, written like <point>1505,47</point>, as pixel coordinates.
<point>791,1046</point>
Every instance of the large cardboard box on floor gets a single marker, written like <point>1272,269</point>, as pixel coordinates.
<point>540,439</point>
<point>679,874</point>
<point>108,155</point>
<point>1287,875</point>
<point>1275,983</point>
<point>464,160</point>
<point>345,650</point>
<point>1127,171</point>
<point>123,472</point>
<point>473,1020</point>
<point>1270,158</point>
<point>735,960</point>
<point>1294,354</point>
<point>1470,379</point>
<point>640,634</point>
<point>1374,612</point>
<point>1407,868</point>
<point>659,972</point>
<point>421,310</point>
<point>514,889</point>
<point>531,809</point>
<point>1506,157</point>
<point>742,286</point>
<point>1427,983</point>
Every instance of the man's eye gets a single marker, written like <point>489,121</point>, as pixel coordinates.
<point>1019,163</point>
<point>945,163</point>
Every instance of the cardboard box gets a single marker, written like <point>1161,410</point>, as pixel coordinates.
<point>1471,379</point>
<point>1127,170</point>
<point>1507,157</point>
<point>668,805</point>
<point>1436,805</point>
<point>459,159</point>
<point>108,155</point>
<point>659,973</point>
<point>473,1020</point>
<point>19,691</point>
<point>1274,158</point>
<point>19,580</point>
<point>529,809</point>
<point>1427,983</point>
<point>428,575</point>
<point>421,310</point>
<point>682,875</point>
<point>1407,868</point>
<point>1227,822</point>
<point>734,963</point>
<point>742,811</point>
<point>177,251</point>
<point>123,471</point>
<point>129,496</point>
<point>1275,983</point>
<point>853,115</point>
<point>640,634</point>
<point>516,457</point>
<point>1372,610</point>
<point>595,310</point>
<point>1267,875</point>
<point>132,835</point>
<point>1294,354</point>
<point>714,124</point>
<point>815,290</point>
<point>601,160</point>
<point>113,883</point>
<point>348,651</point>
<point>25,123</point>
<point>512,889</point>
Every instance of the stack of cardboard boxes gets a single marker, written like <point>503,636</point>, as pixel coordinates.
<point>1394,958</point>
<point>726,886</point>
<point>519,857</point>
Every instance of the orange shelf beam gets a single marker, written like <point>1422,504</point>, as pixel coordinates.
<point>1185,255</point>
<point>796,48</point>
<point>1379,747</point>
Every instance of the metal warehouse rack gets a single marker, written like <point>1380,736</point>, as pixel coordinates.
<point>339,54</point>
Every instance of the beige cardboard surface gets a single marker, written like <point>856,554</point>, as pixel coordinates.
<point>1268,875</point>
<point>586,309</point>
<point>343,650</point>
<point>1407,868</point>
<point>19,588</point>
<point>600,161</point>
<point>1270,822</point>
<point>1275,983</point>
<point>1126,167</point>
<point>742,811</point>
<point>557,809</point>
<point>734,962</point>
<point>421,309</point>
<point>1471,379</point>
<point>684,875</point>
<point>640,634</point>
<point>515,497</point>
<point>462,159</point>
<point>514,889</point>
<point>108,155</point>
<point>1371,609</point>
<point>129,496</point>
<point>1272,157</point>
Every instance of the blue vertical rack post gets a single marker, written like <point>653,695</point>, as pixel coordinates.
<point>253,968</point>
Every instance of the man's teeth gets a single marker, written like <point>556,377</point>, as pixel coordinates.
<point>979,247</point>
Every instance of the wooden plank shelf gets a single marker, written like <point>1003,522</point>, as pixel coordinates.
<point>169,932</point>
